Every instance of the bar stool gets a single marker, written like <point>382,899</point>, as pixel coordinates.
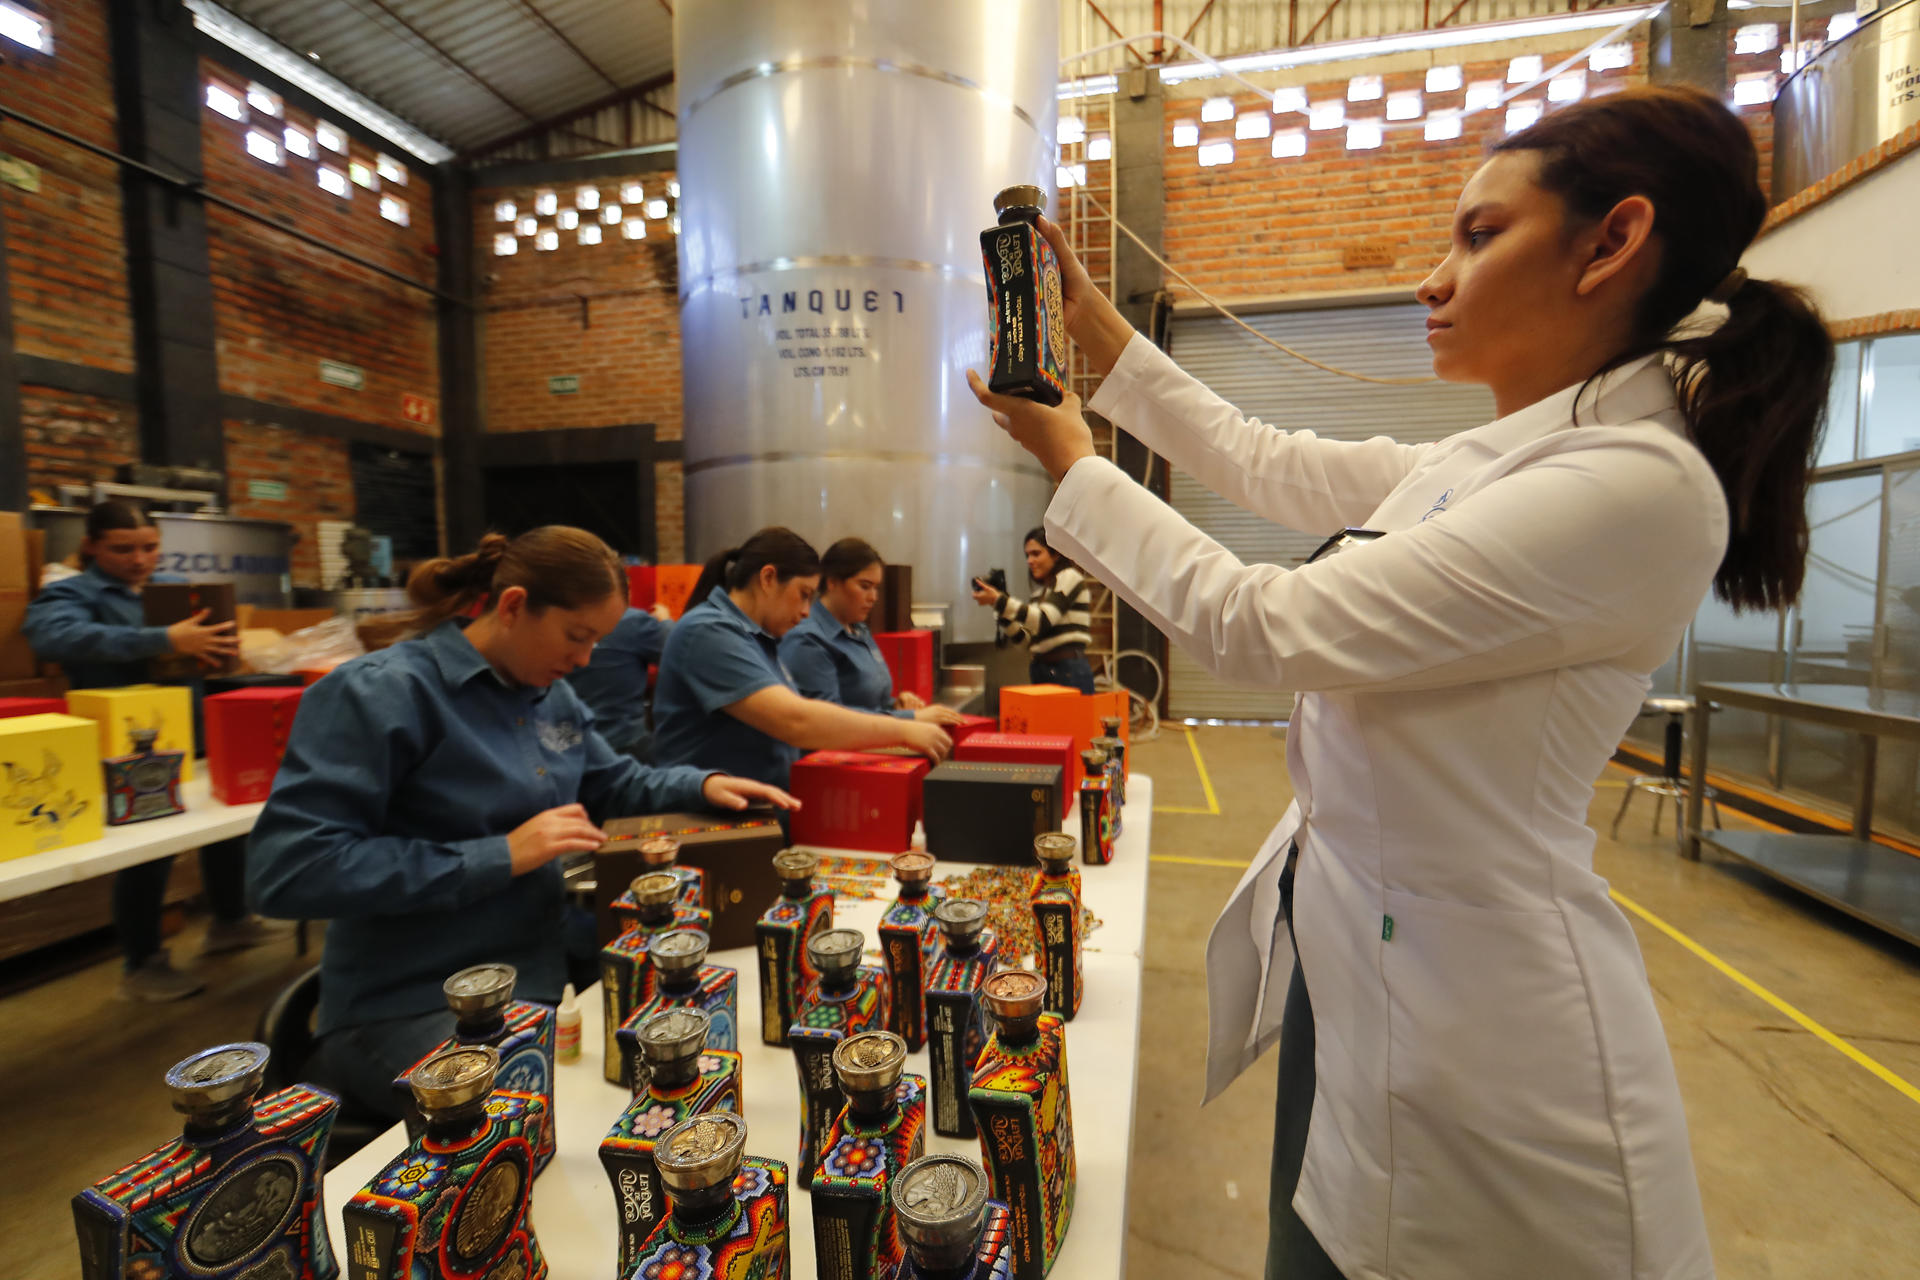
<point>1667,782</point>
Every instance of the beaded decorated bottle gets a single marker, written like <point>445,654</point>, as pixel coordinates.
<point>1115,746</point>
<point>881,1130</point>
<point>1096,808</point>
<point>481,998</point>
<point>659,853</point>
<point>685,1077</point>
<point>969,955</point>
<point>683,980</point>
<point>909,940</point>
<point>238,1190</point>
<point>626,965</point>
<point>843,999</point>
<point>1021,1100</point>
<point>804,908</point>
<point>728,1218</point>
<point>950,1229</point>
<point>144,784</point>
<point>455,1203</point>
<point>1027,352</point>
<point>1054,892</point>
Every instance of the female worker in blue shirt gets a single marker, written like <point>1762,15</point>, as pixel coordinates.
<point>428,789</point>
<point>832,655</point>
<point>724,700</point>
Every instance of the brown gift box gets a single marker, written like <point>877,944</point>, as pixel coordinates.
<point>166,603</point>
<point>736,853</point>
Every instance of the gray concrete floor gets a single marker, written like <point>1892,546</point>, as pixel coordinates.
<point>1809,1164</point>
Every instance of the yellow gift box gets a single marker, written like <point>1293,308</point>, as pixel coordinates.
<point>165,707</point>
<point>51,788</point>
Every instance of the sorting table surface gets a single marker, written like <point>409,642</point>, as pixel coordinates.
<point>205,822</point>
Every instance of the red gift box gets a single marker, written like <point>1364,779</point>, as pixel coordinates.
<point>970,725</point>
<point>642,585</point>
<point>246,736</point>
<point>10,707</point>
<point>909,656</point>
<point>1027,748</point>
<point>854,800</point>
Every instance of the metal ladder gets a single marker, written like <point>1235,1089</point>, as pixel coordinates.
<point>1091,234</point>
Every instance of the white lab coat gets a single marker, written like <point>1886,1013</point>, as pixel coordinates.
<point>1494,1096</point>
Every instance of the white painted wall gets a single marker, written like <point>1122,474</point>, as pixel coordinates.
<point>1856,251</point>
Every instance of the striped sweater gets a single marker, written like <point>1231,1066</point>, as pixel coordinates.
<point>1057,616</point>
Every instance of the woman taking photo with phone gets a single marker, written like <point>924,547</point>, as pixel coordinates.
<point>1474,1081</point>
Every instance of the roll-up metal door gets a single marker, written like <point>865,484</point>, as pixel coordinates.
<point>1385,341</point>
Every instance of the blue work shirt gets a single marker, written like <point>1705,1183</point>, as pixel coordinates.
<point>833,662</point>
<point>404,772</point>
<point>614,683</point>
<point>715,657</point>
<point>95,627</point>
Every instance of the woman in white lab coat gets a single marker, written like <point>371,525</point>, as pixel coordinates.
<point>1474,1080</point>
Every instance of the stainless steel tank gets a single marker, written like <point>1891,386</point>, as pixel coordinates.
<point>1860,91</point>
<point>838,162</point>
<point>254,555</point>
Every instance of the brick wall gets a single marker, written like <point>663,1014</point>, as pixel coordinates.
<point>73,438</point>
<point>317,474</point>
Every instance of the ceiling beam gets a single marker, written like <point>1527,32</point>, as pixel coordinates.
<point>619,97</point>
<point>452,61</point>
<point>554,30</point>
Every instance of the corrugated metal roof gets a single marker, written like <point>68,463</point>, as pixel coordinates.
<point>472,71</point>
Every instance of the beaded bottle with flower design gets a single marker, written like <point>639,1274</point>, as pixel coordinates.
<point>1054,894</point>
<point>455,1203</point>
<point>909,941</point>
<point>626,963</point>
<point>683,980</point>
<point>238,1190</point>
<point>969,955</point>
<point>881,1130</point>
<point>685,1078</point>
<point>1097,808</point>
<point>728,1218</point>
<point>950,1229</point>
<point>1025,1114</point>
<point>847,998</point>
<point>657,853</point>
<point>804,908</point>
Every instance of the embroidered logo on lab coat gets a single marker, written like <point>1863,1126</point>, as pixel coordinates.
<point>558,736</point>
<point>1439,505</point>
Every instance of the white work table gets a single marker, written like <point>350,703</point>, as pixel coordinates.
<point>205,822</point>
<point>574,1215</point>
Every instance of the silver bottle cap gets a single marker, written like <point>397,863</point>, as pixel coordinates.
<point>1093,758</point>
<point>673,1036</point>
<point>1055,849</point>
<point>454,1079</point>
<point>913,868</point>
<point>1110,725</point>
<point>679,952</point>
<point>216,1082</point>
<point>1020,197</point>
<point>701,1154</point>
<point>655,889</point>
<point>940,1202</point>
<point>1013,995</point>
<point>481,992</point>
<point>836,952</point>
<point>795,867</point>
<point>870,1062</point>
<point>659,851</point>
<point>961,919</point>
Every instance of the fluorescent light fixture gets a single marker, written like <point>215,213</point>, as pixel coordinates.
<point>1186,133</point>
<point>568,219</point>
<point>1405,105</point>
<point>1253,124</point>
<point>1841,25</point>
<point>263,99</point>
<point>656,209</point>
<point>390,170</point>
<point>1089,87</point>
<point>1443,126</point>
<point>1483,95</point>
<point>225,101</point>
<point>1522,115</point>
<point>1443,79</point>
<point>632,193</point>
<point>1568,86</point>
<point>1288,143</point>
<point>505,246</point>
<point>545,203</point>
<point>1366,88</point>
<point>547,241</point>
<point>634,229</point>
<point>1754,90</point>
<point>335,182</point>
<point>1214,110</point>
<point>25,27</point>
<point>394,209</point>
<point>1756,37</point>
<point>610,214</point>
<point>1611,57</point>
<point>1214,153</point>
<point>1364,135</point>
<point>300,71</point>
<point>298,142</point>
<point>529,225</point>
<point>1292,98</point>
<point>1070,129</point>
<point>505,211</point>
<point>1525,69</point>
<point>1408,42</point>
<point>1099,146</point>
<point>261,146</point>
<point>590,234</point>
<point>1331,114</point>
<point>587,198</point>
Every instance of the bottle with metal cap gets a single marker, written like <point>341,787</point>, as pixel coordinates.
<point>1027,353</point>
<point>236,1189</point>
<point>658,852</point>
<point>626,963</point>
<point>881,1130</point>
<point>728,1213</point>
<point>683,980</point>
<point>957,1024</point>
<point>681,1075</point>
<point>803,909</point>
<point>460,1193</point>
<point>1053,894</point>
<point>1021,1101</point>
<point>1096,808</point>
<point>951,1230</point>
<point>525,1033</point>
<point>909,940</point>
<point>844,999</point>
<point>144,783</point>
<point>1115,745</point>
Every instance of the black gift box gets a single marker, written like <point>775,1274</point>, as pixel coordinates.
<point>982,811</point>
<point>894,609</point>
<point>736,853</point>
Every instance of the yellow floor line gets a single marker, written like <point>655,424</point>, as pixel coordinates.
<point>1180,808</point>
<point>1819,1032</point>
<point>1197,862</point>
<point>1206,784</point>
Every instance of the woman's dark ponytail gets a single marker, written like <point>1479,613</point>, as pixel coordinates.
<point>556,565</point>
<point>791,556</point>
<point>712,574</point>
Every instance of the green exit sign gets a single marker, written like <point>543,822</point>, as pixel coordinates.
<point>267,490</point>
<point>563,384</point>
